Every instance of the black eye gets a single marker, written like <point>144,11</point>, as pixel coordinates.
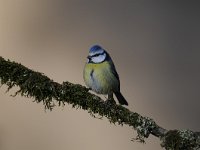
<point>96,55</point>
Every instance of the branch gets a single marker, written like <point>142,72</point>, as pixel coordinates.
<point>42,89</point>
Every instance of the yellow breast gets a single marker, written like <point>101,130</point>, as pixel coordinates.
<point>100,78</point>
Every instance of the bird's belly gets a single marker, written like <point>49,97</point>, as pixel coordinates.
<point>100,83</point>
<point>100,79</point>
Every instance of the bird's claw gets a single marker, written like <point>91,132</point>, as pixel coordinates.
<point>110,101</point>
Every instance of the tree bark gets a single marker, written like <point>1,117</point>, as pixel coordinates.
<point>42,89</point>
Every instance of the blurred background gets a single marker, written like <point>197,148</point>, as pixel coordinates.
<point>154,44</point>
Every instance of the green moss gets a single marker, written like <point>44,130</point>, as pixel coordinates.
<point>181,140</point>
<point>38,86</point>
<point>42,89</point>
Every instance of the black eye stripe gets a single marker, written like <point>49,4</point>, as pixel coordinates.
<point>96,55</point>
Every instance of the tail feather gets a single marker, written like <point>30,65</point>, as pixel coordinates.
<point>121,98</point>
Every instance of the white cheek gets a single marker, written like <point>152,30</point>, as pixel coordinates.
<point>99,58</point>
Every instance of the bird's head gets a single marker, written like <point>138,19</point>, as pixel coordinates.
<point>97,54</point>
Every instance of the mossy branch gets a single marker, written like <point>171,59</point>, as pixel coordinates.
<point>42,89</point>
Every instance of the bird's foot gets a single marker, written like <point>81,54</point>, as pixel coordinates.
<point>89,89</point>
<point>110,101</point>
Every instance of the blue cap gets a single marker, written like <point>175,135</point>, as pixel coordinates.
<point>95,48</point>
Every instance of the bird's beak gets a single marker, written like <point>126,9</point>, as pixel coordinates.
<point>89,57</point>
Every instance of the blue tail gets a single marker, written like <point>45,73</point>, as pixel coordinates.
<point>121,98</point>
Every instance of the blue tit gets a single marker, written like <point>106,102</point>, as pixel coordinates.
<point>100,74</point>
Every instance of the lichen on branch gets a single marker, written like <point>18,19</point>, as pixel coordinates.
<point>38,86</point>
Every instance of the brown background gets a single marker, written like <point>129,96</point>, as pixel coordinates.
<point>154,44</point>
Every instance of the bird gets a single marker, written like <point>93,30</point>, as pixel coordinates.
<point>100,74</point>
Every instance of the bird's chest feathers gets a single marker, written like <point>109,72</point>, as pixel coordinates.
<point>99,71</point>
<point>100,77</point>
